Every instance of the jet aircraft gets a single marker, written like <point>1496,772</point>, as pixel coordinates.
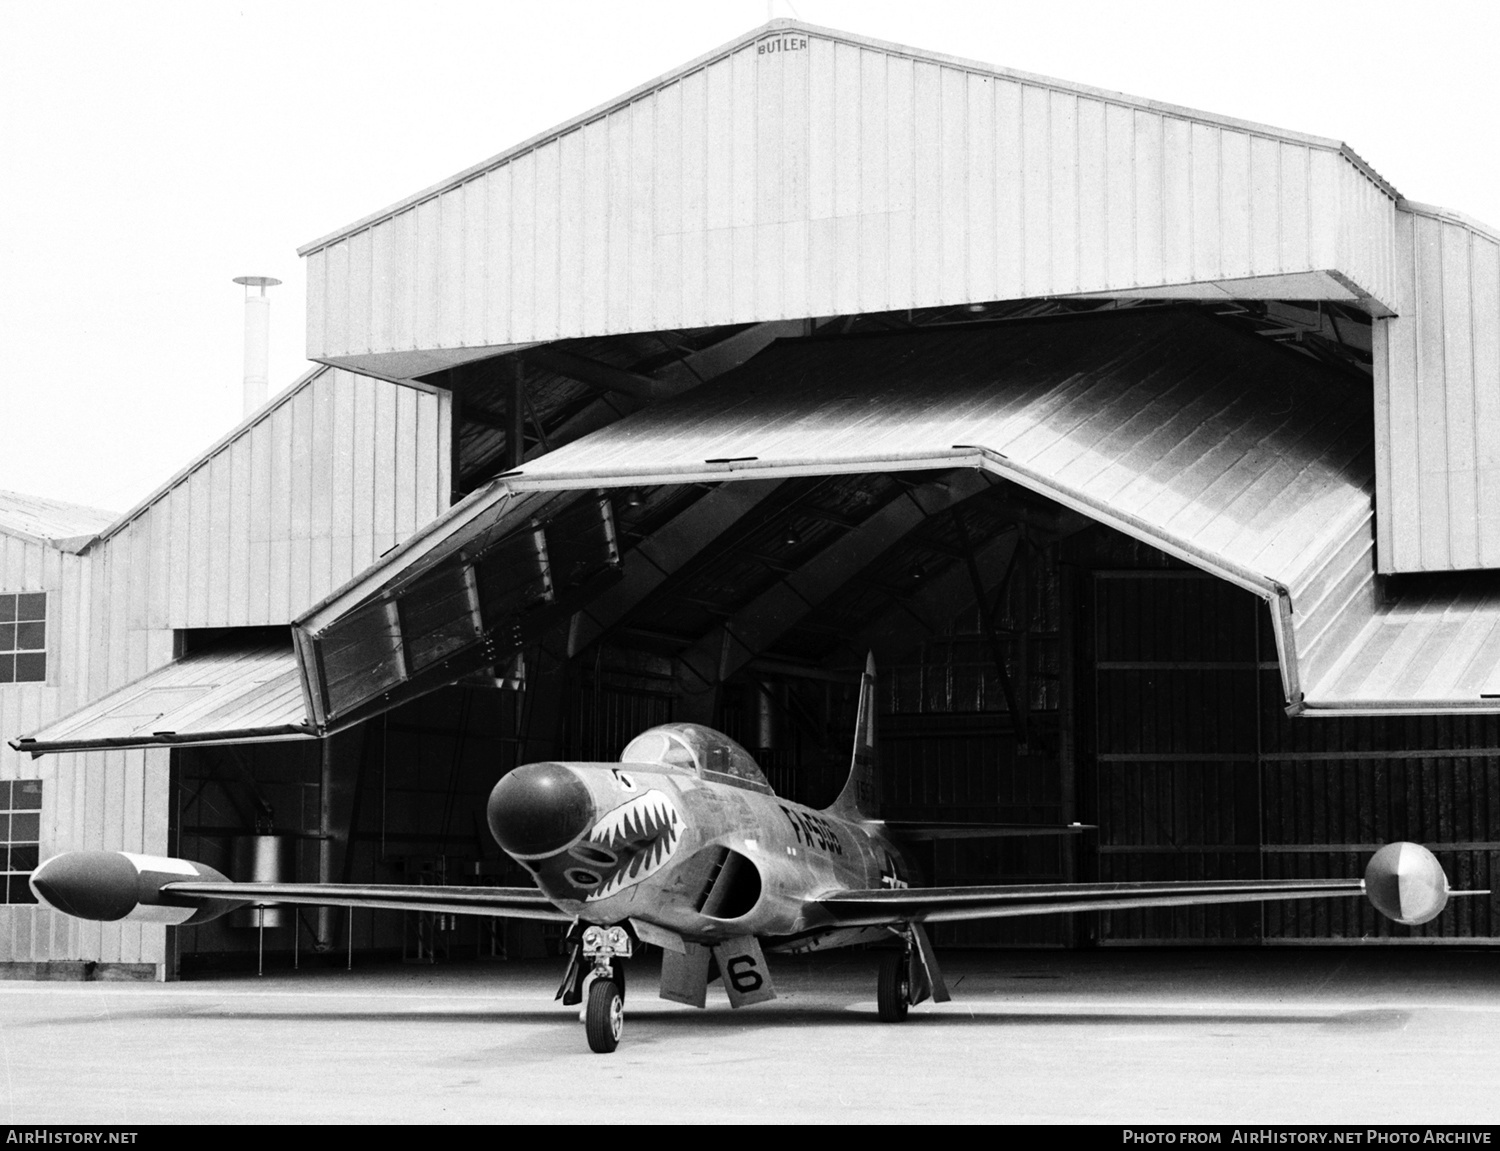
<point>684,845</point>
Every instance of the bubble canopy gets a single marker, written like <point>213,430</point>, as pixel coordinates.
<point>706,753</point>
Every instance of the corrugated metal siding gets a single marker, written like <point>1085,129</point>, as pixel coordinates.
<point>116,800</point>
<point>842,177</point>
<point>293,505</point>
<point>1200,774</point>
<point>1437,389</point>
<point>288,507</point>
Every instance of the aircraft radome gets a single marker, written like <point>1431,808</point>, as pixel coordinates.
<point>684,845</point>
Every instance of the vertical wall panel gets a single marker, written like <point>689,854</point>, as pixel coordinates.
<point>873,225</point>
<point>498,256</point>
<point>1063,136</point>
<point>475,262</point>
<point>1103,192</point>
<point>1437,386</point>
<point>848,203</point>
<point>548,241</point>
<point>361,254</point>
<point>666,263</point>
<point>899,136</point>
<point>641,250</point>
<point>926,241</point>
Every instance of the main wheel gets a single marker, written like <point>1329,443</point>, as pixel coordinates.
<point>605,1016</point>
<point>893,988</point>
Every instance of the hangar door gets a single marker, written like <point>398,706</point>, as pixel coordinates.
<point>1197,772</point>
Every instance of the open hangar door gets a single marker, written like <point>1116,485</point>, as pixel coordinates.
<point>971,501</point>
<point>1097,557</point>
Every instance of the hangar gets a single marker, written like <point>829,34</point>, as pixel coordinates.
<point>1154,454</point>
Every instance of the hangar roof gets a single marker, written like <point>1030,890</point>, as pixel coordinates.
<point>852,39</point>
<point>64,525</point>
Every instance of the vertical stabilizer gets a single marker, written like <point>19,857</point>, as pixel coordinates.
<point>860,798</point>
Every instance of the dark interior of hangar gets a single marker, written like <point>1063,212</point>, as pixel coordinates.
<point>1035,667</point>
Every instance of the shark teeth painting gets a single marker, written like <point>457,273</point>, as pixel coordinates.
<point>642,835</point>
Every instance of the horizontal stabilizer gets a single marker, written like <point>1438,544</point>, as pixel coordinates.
<point>925,830</point>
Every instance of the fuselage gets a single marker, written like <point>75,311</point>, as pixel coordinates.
<point>707,860</point>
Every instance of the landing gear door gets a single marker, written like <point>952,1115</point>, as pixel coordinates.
<point>743,969</point>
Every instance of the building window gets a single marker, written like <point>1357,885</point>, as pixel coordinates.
<point>23,637</point>
<point>21,825</point>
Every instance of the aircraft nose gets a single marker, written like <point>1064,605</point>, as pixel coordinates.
<point>539,809</point>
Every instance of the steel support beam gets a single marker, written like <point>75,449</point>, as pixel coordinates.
<point>647,566</point>
<point>930,609</point>
<point>639,390</point>
<point>718,655</point>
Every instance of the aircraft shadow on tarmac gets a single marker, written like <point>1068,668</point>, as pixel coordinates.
<point>713,1021</point>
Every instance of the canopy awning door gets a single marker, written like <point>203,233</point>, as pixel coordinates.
<point>236,691</point>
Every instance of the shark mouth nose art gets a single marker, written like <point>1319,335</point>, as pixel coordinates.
<point>628,844</point>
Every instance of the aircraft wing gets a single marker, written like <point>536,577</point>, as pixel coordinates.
<point>516,902</point>
<point>920,831</point>
<point>944,904</point>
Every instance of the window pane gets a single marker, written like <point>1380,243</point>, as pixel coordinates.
<point>24,858</point>
<point>25,828</point>
<point>26,794</point>
<point>7,669</point>
<point>31,605</point>
<point>31,667</point>
<point>7,608</point>
<point>4,827</point>
<point>18,890</point>
<point>31,636</point>
<point>7,637</point>
<point>5,793</point>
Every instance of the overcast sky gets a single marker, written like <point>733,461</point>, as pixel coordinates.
<point>149,152</point>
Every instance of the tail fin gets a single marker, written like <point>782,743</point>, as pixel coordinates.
<point>860,798</point>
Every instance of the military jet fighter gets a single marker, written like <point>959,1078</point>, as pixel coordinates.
<point>684,845</point>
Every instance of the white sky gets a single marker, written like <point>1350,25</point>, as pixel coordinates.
<point>149,152</point>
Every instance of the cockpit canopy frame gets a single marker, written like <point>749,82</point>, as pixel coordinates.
<point>710,755</point>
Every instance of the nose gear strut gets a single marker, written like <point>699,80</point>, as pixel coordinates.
<point>595,977</point>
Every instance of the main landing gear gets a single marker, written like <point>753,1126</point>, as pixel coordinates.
<point>893,986</point>
<point>908,976</point>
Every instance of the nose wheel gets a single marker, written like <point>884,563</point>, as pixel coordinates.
<point>604,1016</point>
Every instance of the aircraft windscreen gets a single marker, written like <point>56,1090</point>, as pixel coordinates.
<point>708,754</point>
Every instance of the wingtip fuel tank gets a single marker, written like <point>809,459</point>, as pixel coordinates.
<point>1406,883</point>
<point>109,886</point>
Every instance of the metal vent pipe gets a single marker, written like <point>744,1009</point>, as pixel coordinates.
<point>257,340</point>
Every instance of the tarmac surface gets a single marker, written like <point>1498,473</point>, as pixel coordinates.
<point>1356,1037</point>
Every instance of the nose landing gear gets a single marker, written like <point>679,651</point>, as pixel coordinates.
<point>603,986</point>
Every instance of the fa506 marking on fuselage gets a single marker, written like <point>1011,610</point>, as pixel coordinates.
<point>683,844</point>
